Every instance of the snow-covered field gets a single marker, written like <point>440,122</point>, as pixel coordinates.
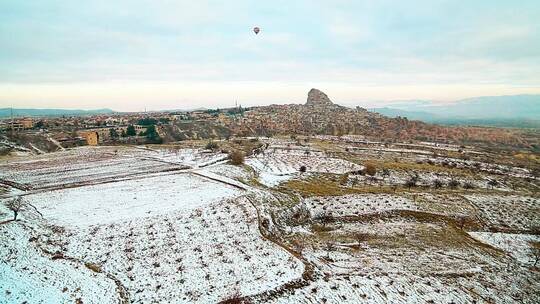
<point>166,236</point>
<point>188,157</point>
<point>29,276</point>
<point>171,225</point>
<point>404,261</point>
<point>111,202</point>
<point>519,246</point>
<point>279,165</point>
<point>356,204</point>
<point>203,255</point>
<point>85,166</point>
<point>508,212</point>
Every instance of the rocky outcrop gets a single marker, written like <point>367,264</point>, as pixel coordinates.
<point>318,98</point>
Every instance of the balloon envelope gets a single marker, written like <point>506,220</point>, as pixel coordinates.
<point>256,30</point>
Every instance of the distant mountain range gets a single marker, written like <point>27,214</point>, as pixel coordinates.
<point>501,111</point>
<point>6,112</point>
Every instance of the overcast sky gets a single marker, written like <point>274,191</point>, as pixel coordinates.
<point>128,55</point>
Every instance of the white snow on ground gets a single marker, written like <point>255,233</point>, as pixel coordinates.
<point>197,256</point>
<point>230,171</point>
<point>83,166</point>
<point>382,149</point>
<point>219,178</point>
<point>118,168</point>
<point>28,276</point>
<point>357,204</point>
<point>111,202</point>
<point>517,245</point>
<point>189,157</point>
<point>430,265</point>
<point>276,167</point>
<point>378,290</point>
<point>511,212</point>
<point>77,166</point>
<point>190,237</point>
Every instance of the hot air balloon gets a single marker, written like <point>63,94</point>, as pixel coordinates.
<point>256,30</point>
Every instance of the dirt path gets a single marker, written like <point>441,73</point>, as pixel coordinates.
<point>307,276</point>
<point>236,184</point>
<point>123,295</point>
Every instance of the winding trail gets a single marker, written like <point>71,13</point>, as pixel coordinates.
<point>308,274</point>
<point>123,294</point>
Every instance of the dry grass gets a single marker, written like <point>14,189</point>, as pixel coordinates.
<point>93,267</point>
<point>237,157</point>
<point>317,187</point>
<point>410,166</point>
<point>328,186</point>
<point>318,228</point>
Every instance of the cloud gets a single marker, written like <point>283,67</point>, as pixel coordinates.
<point>348,44</point>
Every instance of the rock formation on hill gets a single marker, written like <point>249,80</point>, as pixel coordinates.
<point>318,98</point>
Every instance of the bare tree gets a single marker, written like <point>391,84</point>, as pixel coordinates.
<point>453,183</point>
<point>492,183</point>
<point>437,183</point>
<point>329,248</point>
<point>460,221</point>
<point>385,173</point>
<point>536,252</point>
<point>16,205</point>
<point>361,237</point>
<point>469,185</point>
<point>412,181</point>
<point>324,218</point>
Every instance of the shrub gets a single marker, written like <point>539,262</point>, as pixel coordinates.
<point>411,182</point>
<point>113,133</point>
<point>211,145</point>
<point>370,169</point>
<point>469,185</point>
<point>461,221</point>
<point>344,179</point>
<point>237,157</point>
<point>493,183</point>
<point>437,184</point>
<point>361,237</point>
<point>93,267</point>
<point>453,184</point>
<point>235,298</point>
<point>5,150</point>
<point>303,169</point>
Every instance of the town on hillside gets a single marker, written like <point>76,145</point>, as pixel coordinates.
<point>318,116</point>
